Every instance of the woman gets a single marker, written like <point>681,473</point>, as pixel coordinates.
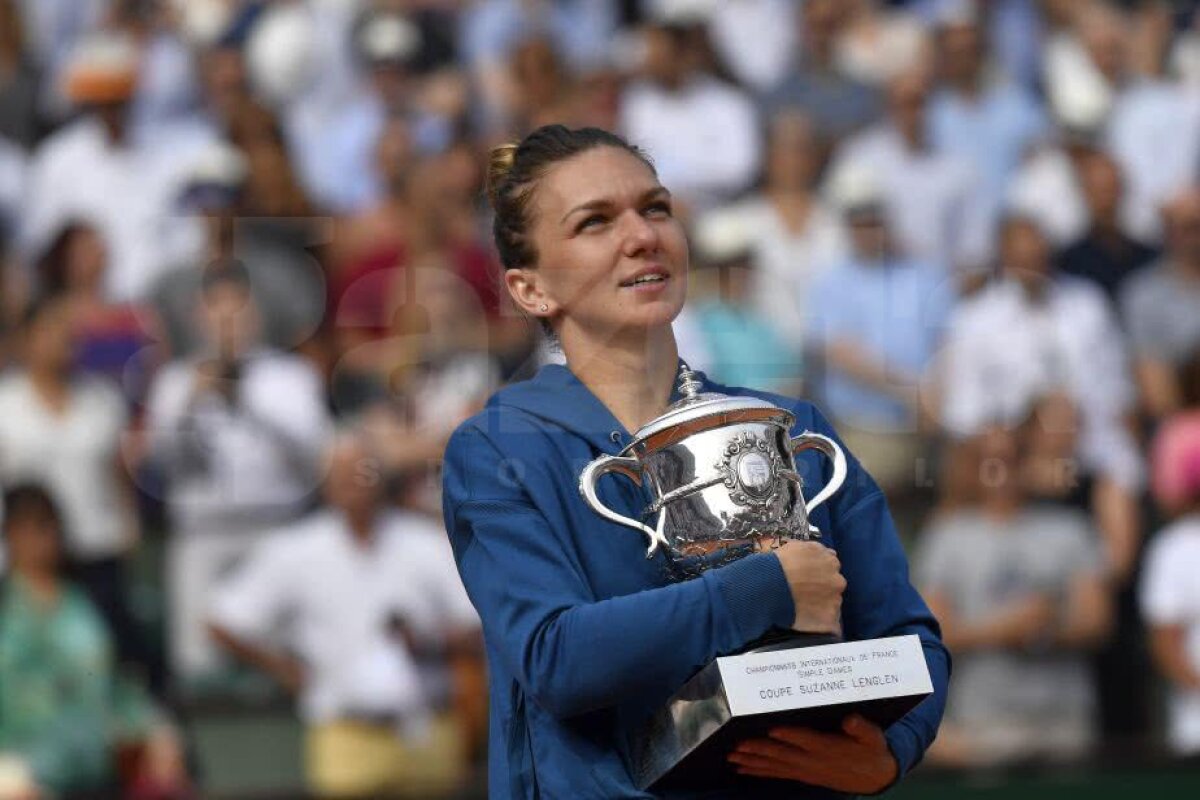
<point>65,713</point>
<point>113,340</point>
<point>584,634</point>
<point>1019,588</point>
<point>64,431</point>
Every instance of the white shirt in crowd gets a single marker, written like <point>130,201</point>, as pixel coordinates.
<point>786,262</point>
<point>1170,595</point>
<point>756,38</point>
<point>250,462</point>
<point>75,455</point>
<point>129,193</point>
<point>935,202</point>
<point>1154,134</point>
<point>703,138</point>
<point>1046,188</point>
<point>342,598</point>
<point>1004,351</point>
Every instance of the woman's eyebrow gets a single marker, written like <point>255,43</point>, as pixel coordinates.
<point>604,202</point>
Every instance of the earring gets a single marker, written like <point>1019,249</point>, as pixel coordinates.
<point>543,308</point>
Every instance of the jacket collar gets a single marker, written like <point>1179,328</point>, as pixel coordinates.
<point>557,396</point>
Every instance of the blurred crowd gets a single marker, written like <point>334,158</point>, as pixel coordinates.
<point>248,290</point>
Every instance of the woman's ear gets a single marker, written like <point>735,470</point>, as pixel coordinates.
<point>525,286</point>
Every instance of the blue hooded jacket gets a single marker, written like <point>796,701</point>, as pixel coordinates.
<point>585,635</point>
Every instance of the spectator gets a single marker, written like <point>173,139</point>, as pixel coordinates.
<point>755,38</point>
<point>384,322</point>
<point>53,30</point>
<point>935,201</point>
<point>1047,186</point>
<point>1020,593</point>
<point>237,429</point>
<point>65,431</point>
<point>794,235</point>
<point>65,709</point>
<point>1154,128</point>
<point>491,29</point>
<point>874,322</point>
<point>878,45</point>
<point>1170,605</point>
<point>1106,255</point>
<point>113,340</point>
<point>976,114</point>
<point>372,592</point>
<point>334,138</point>
<point>815,85</point>
<point>1030,335</point>
<point>744,347</point>
<point>1159,306</point>
<point>541,86</point>
<point>94,169</point>
<point>701,131</point>
<point>287,281</point>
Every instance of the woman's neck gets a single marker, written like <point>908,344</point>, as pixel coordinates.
<point>631,374</point>
<point>44,586</point>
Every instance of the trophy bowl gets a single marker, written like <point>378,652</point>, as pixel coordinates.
<point>722,471</point>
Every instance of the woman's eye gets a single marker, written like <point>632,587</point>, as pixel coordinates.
<point>591,222</point>
<point>661,208</point>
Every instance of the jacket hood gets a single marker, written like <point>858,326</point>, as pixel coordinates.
<point>557,396</point>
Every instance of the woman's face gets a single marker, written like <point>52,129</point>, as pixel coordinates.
<point>792,158</point>
<point>611,256</point>
<point>50,341</point>
<point>33,544</point>
<point>86,259</point>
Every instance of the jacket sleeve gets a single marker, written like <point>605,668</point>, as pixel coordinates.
<point>880,600</point>
<point>571,652</point>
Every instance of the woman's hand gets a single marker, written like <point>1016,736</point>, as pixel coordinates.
<point>856,761</point>
<point>814,574</point>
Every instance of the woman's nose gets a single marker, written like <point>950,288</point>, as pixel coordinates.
<point>638,235</point>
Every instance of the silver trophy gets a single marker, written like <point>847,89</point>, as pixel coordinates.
<point>722,473</point>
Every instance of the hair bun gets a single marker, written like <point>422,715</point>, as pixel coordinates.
<point>500,164</point>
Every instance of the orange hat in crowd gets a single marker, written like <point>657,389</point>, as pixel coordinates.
<point>102,70</point>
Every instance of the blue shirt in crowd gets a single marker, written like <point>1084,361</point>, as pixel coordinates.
<point>994,130</point>
<point>586,636</point>
<point>896,311</point>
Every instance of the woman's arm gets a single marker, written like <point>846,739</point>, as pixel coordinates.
<point>1087,619</point>
<point>1169,648</point>
<point>572,653</point>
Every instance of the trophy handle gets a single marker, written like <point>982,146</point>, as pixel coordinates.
<point>823,444</point>
<point>630,468</point>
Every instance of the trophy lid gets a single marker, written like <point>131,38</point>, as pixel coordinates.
<point>697,410</point>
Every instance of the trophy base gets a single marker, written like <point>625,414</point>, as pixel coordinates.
<point>685,744</point>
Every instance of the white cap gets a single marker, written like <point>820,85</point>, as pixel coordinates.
<point>202,22</point>
<point>389,37</point>
<point>279,53</point>
<point>219,164</point>
<point>852,187</point>
<point>1080,100</point>
<point>722,235</point>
